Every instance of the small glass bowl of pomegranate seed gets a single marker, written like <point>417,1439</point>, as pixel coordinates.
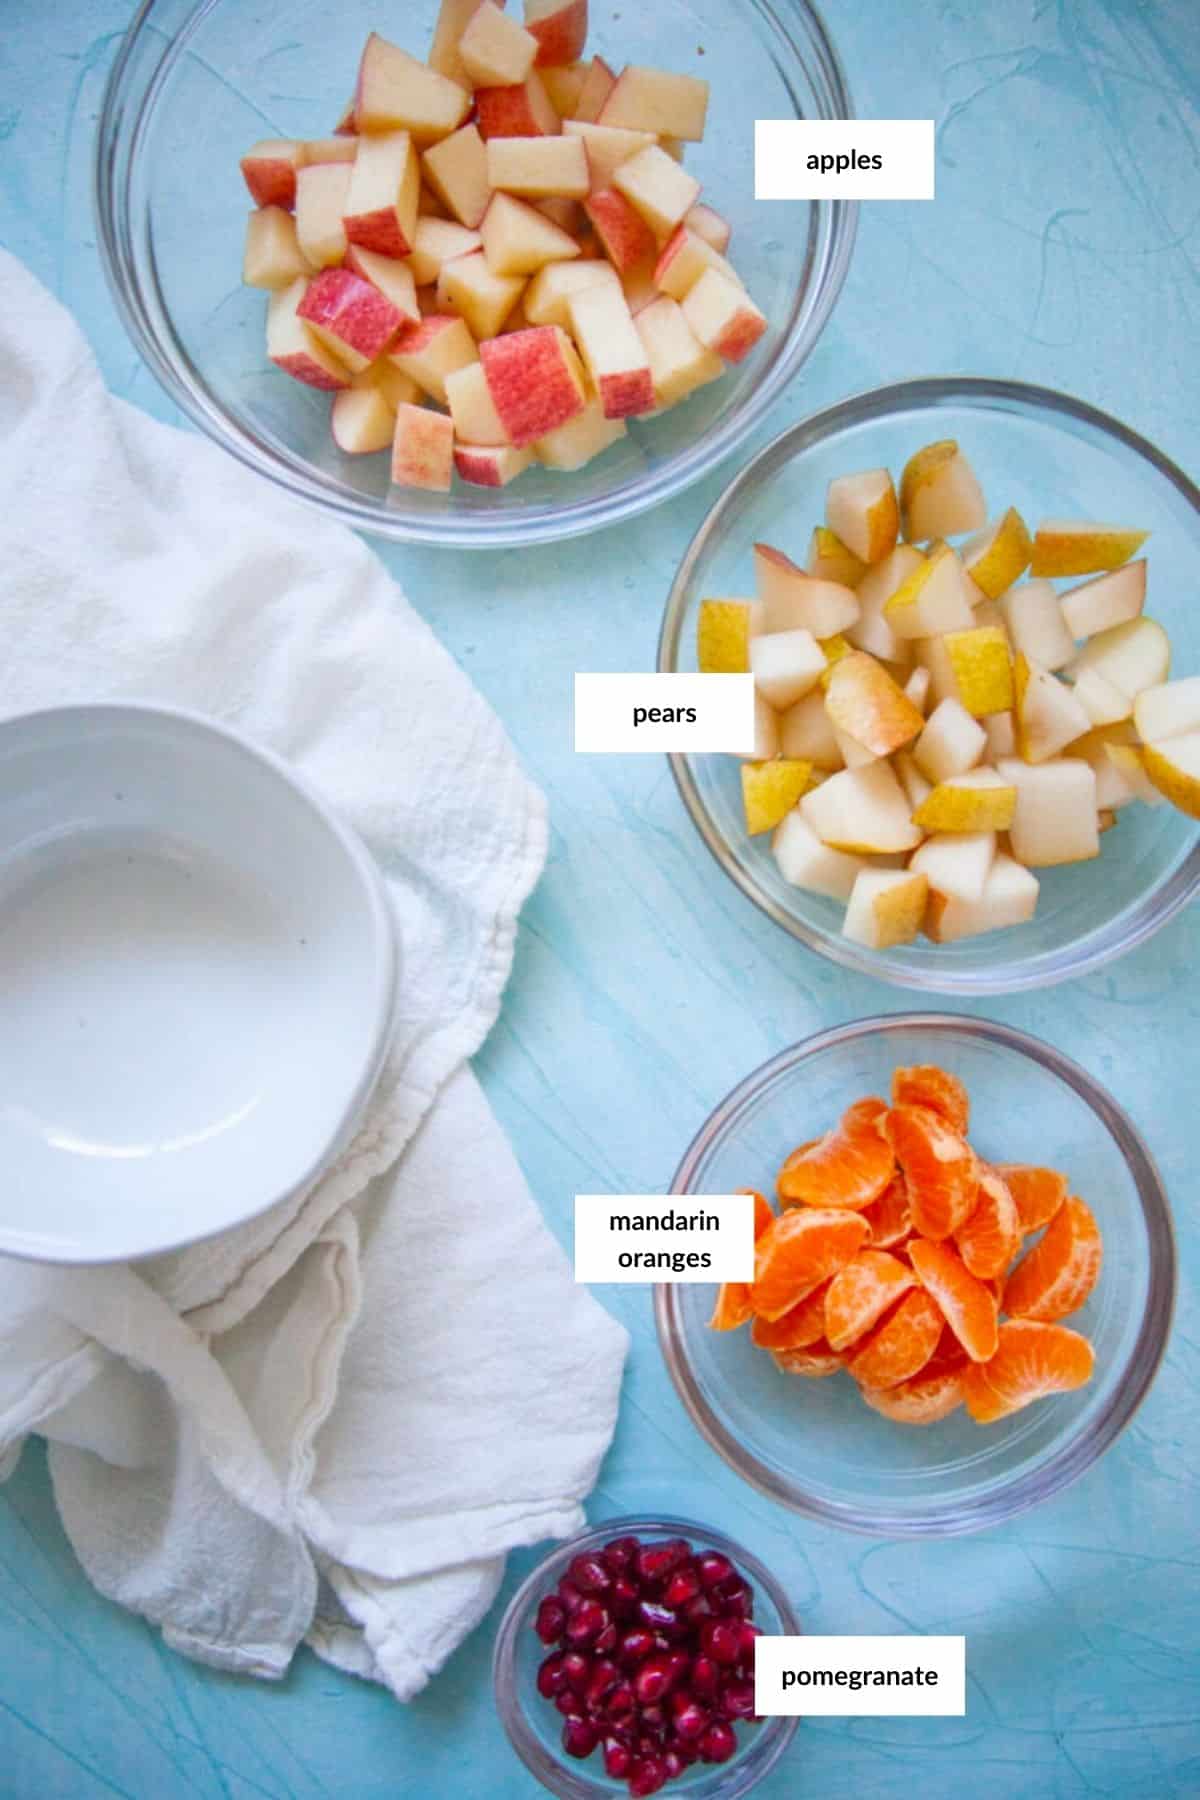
<point>625,1664</point>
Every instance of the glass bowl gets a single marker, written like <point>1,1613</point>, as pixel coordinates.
<point>532,1723</point>
<point>814,1445</point>
<point>196,84</point>
<point>1048,455</point>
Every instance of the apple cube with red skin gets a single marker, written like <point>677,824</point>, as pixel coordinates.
<point>469,287</point>
<point>297,350</point>
<point>523,111</point>
<point>723,316</point>
<point>490,465</point>
<point>606,149</point>
<point>457,171</point>
<point>710,225</point>
<point>423,449</point>
<point>615,356</point>
<point>495,50</point>
<point>269,170</point>
<point>535,379</point>
<point>657,188</point>
<point>385,188</point>
<point>685,257</point>
<point>626,237</point>
<point>519,240</point>
<point>439,241</point>
<point>395,92</point>
<point>580,440</point>
<point>560,27</point>
<point>672,106</point>
<point>272,258</point>
<point>453,18</point>
<point>350,316</point>
<point>679,363</point>
<point>361,421</point>
<point>598,85</point>
<point>393,279</point>
<point>341,147</point>
<point>432,350</point>
<point>547,295</point>
<point>473,410</point>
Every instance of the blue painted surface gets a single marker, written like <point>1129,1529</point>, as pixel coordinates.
<point>1063,248</point>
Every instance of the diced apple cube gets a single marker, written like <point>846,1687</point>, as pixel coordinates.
<point>352,318</point>
<point>269,171</point>
<point>395,92</point>
<point>484,300</point>
<point>957,864</point>
<point>432,350</point>
<point>321,194</point>
<point>613,352</point>
<point>519,240</point>
<point>1106,600</point>
<point>495,50</point>
<point>439,241</point>
<point>708,224</point>
<point>536,381</point>
<point>296,349</point>
<point>805,731</point>
<point>385,186</point>
<point>580,440</point>
<point>564,86</point>
<point>1033,616</point>
<point>598,85</point>
<point>805,862</point>
<point>362,422</point>
<point>606,149</point>
<point>886,908</point>
<point>951,742</point>
<point>473,410</point>
<point>490,466</point>
<point>273,258</point>
<point>539,166</point>
<point>547,295</point>
<point>657,188</point>
<point>626,237</point>
<point>655,100</point>
<point>340,148</point>
<point>723,316</point>
<point>457,171</point>
<point>560,27</point>
<point>684,258</point>
<point>453,18</point>
<point>520,111</point>
<point>393,279</point>
<point>786,665</point>
<point>679,363</point>
<point>423,449</point>
<point>862,810</point>
<point>397,388</point>
<point>1055,820</point>
<point>863,510</point>
<point>1010,897</point>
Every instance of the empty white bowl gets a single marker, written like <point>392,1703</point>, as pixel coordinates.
<point>198,966</point>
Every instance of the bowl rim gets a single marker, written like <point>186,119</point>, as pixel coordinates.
<point>1046,968</point>
<point>116,143</point>
<point>1073,1458</point>
<point>572,1784</point>
<point>381,926</point>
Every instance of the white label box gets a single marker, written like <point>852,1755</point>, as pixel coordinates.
<point>655,1237</point>
<point>862,1677</point>
<point>844,159</point>
<point>660,713</point>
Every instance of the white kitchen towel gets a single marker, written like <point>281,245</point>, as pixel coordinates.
<point>333,1422</point>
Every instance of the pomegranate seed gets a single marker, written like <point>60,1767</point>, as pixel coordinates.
<point>551,1677</point>
<point>714,1568</point>
<point>705,1677</point>
<point>619,1553</point>
<point>699,1609</point>
<point>621,1703</point>
<point>719,1742</point>
<point>606,1643</point>
<point>721,1638</point>
<point>551,1617</point>
<point>648,1774</point>
<point>604,1680</point>
<point>690,1718</point>
<point>652,1680</point>
<point>578,1670</point>
<point>735,1599</point>
<point>748,1636</point>
<point>636,1644</point>
<point>657,1616</point>
<point>678,1663</point>
<point>653,1721</point>
<point>569,1705</point>
<point>618,1758</point>
<point>579,1737</point>
<point>656,1561</point>
<point>570,1595</point>
<point>585,1625</point>
<point>623,1597</point>
<point>589,1575</point>
<point>737,1700</point>
<point>683,1585</point>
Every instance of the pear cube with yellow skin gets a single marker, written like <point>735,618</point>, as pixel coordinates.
<point>1132,657</point>
<point>724,629</point>
<point>1033,616</point>
<point>863,510</point>
<point>951,742</point>
<point>999,555</point>
<point>864,811</point>
<point>956,863</point>
<point>982,668</point>
<point>770,790</point>
<point>886,908</point>
<point>932,600</point>
<point>1130,763</point>
<point>1048,715</point>
<point>806,731</point>
<point>1055,818</point>
<point>872,631</point>
<point>939,494</point>
<point>1174,768</point>
<point>1010,897</point>
<point>831,560</point>
<point>1079,547</point>
<point>805,862</point>
<point>978,800</point>
<point>1169,710</point>
<point>1106,600</point>
<point>863,701</point>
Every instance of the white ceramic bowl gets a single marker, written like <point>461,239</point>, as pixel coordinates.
<point>198,966</point>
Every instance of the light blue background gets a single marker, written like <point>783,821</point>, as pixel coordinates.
<point>1062,249</point>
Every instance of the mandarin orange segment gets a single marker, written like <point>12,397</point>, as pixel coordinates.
<point>991,1236</point>
<point>923,1400</point>
<point>798,1251</point>
<point>1037,1193</point>
<point>860,1294</point>
<point>733,1306</point>
<point>902,1344</point>
<point>799,1327</point>
<point>1061,1270</point>
<point>968,1307</point>
<point>1032,1360</point>
<point>890,1217</point>
<point>850,1166</point>
<point>927,1085</point>
<point>816,1363</point>
<point>941,1168</point>
<point>764,1212</point>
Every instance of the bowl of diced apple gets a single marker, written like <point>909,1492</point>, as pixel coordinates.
<point>463,273</point>
<point>966,607</point>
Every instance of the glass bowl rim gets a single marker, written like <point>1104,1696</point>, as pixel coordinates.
<point>570,1784</point>
<point>1099,946</point>
<point>117,143</point>
<point>1081,1450</point>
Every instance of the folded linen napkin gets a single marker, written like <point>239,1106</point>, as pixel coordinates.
<point>333,1422</point>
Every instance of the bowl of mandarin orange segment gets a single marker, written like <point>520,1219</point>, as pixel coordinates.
<point>963,1284</point>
